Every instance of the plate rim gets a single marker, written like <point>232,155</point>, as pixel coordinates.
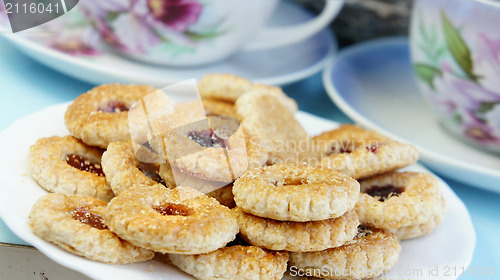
<point>43,245</point>
<point>426,154</point>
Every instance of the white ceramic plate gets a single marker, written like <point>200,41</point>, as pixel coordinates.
<point>373,84</point>
<point>451,245</point>
<point>277,66</point>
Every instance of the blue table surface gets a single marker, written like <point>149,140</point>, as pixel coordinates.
<point>27,86</point>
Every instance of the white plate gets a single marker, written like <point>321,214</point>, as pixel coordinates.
<point>451,245</point>
<point>277,66</point>
<point>373,84</point>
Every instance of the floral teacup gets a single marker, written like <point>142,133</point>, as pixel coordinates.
<point>194,32</point>
<point>455,49</point>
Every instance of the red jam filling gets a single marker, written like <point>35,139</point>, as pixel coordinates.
<point>83,215</point>
<point>208,139</point>
<point>173,209</point>
<point>372,148</point>
<point>113,107</point>
<point>384,192</point>
<point>84,164</point>
<point>342,148</point>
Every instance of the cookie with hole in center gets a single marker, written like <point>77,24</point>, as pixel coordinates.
<point>361,153</point>
<point>398,199</point>
<point>67,165</point>
<point>295,192</point>
<point>75,223</point>
<point>100,116</point>
<point>180,220</point>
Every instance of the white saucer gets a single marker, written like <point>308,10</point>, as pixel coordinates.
<point>373,84</point>
<point>277,66</point>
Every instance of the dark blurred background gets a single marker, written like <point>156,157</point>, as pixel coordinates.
<point>361,20</point>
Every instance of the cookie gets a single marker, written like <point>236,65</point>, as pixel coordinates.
<point>394,200</point>
<point>222,192</point>
<point>295,236</point>
<point>180,220</point>
<point>66,165</point>
<point>212,149</point>
<point>216,107</point>
<point>75,224</point>
<point>369,255</point>
<point>299,193</point>
<point>234,262</point>
<point>275,135</point>
<point>225,87</point>
<point>100,116</point>
<point>361,153</point>
<point>228,88</point>
<point>124,170</point>
<point>414,231</point>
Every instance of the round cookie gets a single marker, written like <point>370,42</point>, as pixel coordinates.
<point>414,231</point>
<point>370,254</point>
<point>100,116</point>
<point>296,236</point>
<point>180,220</point>
<point>299,193</point>
<point>123,170</point>
<point>394,200</point>
<point>212,149</point>
<point>66,165</point>
<point>361,153</point>
<point>234,262</point>
<point>75,224</point>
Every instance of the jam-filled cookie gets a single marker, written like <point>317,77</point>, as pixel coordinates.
<point>395,200</point>
<point>124,170</point>
<point>300,193</point>
<point>370,254</point>
<point>234,262</point>
<point>212,149</point>
<point>75,223</point>
<point>100,116</point>
<point>361,153</point>
<point>296,236</point>
<point>66,165</point>
<point>180,220</point>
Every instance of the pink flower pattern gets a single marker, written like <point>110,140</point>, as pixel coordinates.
<point>470,102</point>
<point>135,26</point>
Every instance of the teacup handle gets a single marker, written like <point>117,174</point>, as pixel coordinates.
<point>280,36</point>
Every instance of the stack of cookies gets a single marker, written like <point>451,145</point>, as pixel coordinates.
<point>332,206</point>
<point>308,211</point>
